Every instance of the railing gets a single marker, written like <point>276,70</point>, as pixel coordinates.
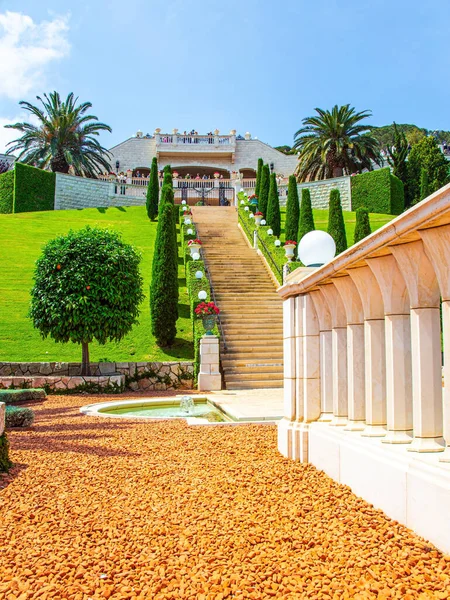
<point>219,322</point>
<point>251,235</point>
<point>248,183</point>
<point>201,183</point>
<point>188,139</point>
<point>212,196</point>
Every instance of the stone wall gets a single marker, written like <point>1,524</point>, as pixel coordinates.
<point>137,375</point>
<point>248,152</point>
<point>320,191</point>
<point>80,192</point>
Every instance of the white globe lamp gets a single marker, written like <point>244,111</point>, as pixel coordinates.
<point>183,202</point>
<point>202,295</point>
<point>246,208</point>
<point>251,215</point>
<point>263,222</point>
<point>270,232</point>
<point>190,232</point>
<point>198,274</point>
<point>187,222</point>
<point>316,248</point>
<point>195,256</point>
<point>277,243</point>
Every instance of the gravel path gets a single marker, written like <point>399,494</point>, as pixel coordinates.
<point>96,508</point>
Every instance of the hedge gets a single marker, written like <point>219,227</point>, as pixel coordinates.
<point>6,192</point>
<point>5,463</point>
<point>18,416</point>
<point>379,191</point>
<point>28,395</point>
<point>34,189</point>
<point>194,286</point>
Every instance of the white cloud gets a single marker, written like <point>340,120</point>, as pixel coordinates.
<point>27,49</point>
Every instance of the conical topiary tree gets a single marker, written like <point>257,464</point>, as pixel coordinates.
<point>306,221</point>
<point>258,176</point>
<point>153,192</point>
<point>292,210</point>
<point>362,228</point>
<point>263,197</point>
<point>336,225</point>
<point>164,284</point>
<point>273,207</point>
<point>424,185</point>
<point>168,179</point>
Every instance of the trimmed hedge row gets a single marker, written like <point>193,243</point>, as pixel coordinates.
<point>34,189</point>
<point>27,395</point>
<point>379,191</point>
<point>5,463</point>
<point>18,416</point>
<point>6,192</point>
<point>194,286</point>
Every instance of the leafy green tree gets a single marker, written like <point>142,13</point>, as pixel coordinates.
<point>263,197</point>
<point>336,225</point>
<point>87,286</point>
<point>426,155</point>
<point>306,221</point>
<point>258,176</point>
<point>397,153</point>
<point>273,207</point>
<point>64,135</point>
<point>335,143</point>
<point>424,185</point>
<point>292,210</point>
<point>153,192</point>
<point>164,284</point>
<point>362,227</point>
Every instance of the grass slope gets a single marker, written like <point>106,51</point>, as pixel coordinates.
<point>22,237</point>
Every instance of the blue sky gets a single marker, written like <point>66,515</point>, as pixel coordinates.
<point>255,66</point>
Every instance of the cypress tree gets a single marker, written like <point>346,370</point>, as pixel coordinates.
<point>164,284</point>
<point>153,192</point>
<point>273,207</point>
<point>306,221</point>
<point>336,226</point>
<point>424,186</point>
<point>292,210</point>
<point>167,179</point>
<point>362,228</point>
<point>264,186</point>
<point>258,176</point>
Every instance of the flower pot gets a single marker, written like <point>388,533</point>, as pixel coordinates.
<point>289,250</point>
<point>194,248</point>
<point>208,323</point>
<point>258,219</point>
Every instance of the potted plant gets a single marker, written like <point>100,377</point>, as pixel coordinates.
<point>194,246</point>
<point>253,200</point>
<point>175,175</point>
<point>207,312</point>
<point>289,247</point>
<point>258,217</point>
<point>216,175</point>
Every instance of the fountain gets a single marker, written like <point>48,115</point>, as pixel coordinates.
<point>187,405</point>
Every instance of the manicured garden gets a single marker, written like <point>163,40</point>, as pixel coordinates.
<point>22,237</point>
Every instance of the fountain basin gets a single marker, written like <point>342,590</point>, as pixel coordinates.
<point>203,412</point>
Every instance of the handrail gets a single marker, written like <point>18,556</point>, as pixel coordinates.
<point>277,268</point>
<point>208,275</point>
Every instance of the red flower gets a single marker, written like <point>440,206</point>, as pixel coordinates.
<point>190,242</point>
<point>206,308</point>
<point>258,214</point>
<point>292,242</point>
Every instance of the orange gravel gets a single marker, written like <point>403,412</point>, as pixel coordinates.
<point>96,508</point>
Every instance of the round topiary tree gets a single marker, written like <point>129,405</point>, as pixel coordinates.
<point>87,286</point>
<point>336,225</point>
<point>273,207</point>
<point>306,221</point>
<point>362,227</point>
<point>292,210</point>
<point>153,192</point>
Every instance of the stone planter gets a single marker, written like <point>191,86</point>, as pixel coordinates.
<point>289,250</point>
<point>193,248</point>
<point>258,219</point>
<point>208,323</point>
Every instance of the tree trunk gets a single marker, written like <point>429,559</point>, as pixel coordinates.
<point>338,171</point>
<point>59,164</point>
<point>85,364</point>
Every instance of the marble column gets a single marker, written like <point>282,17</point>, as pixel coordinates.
<point>375,350</point>
<point>286,424</point>
<point>326,356</point>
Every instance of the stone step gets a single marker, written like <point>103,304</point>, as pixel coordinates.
<point>254,385</point>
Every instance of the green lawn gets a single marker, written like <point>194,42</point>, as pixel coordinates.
<point>321,222</point>
<point>22,237</point>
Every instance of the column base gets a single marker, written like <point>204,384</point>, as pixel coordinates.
<point>284,435</point>
<point>427,445</point>
<point>374,431</point>
<point>325,417</point>
<point>300,434</point>
<point>338,421</point>
<point>355,426</point>
<point>398,437</point>
<point>445,458</point>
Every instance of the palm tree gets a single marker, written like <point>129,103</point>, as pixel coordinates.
<point>335,143</point>
<point>64,137</point>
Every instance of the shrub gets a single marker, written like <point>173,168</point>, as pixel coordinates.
<point>263,197</point>
<point>292,210</point>
<point>424,186</point>
<point>164,284</point>
<point>336,226</point>
<point>18,416</point>
<point>426,154</point>
<point>306,221</point>
<point>258,176</point>
<point>273,207</point>
<point>5,463</point>
<point>153,191</point>
<point>362,228</point>
<point>30,394</point>
<point>87,286</point>
<point>6,192</point>
<point>379,191</point>
<point>34,189</point>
